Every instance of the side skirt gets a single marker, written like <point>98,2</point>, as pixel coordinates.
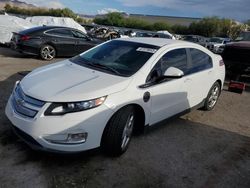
<point>149,128</point>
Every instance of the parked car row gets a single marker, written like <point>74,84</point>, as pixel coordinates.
<point>49,42</point>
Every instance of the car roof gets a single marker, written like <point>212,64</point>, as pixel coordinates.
<point>153,41</point>
<point>42,28</point>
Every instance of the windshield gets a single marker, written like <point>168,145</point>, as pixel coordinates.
<point>117,57</point>
<point>190,38</point>
<point>216,40</point>
<point>243,37</point>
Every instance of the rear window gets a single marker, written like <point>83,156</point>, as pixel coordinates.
<point>32,30</point>
<point>117,57</point>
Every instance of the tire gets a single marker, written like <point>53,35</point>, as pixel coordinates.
<point>47,52</point>
<point>212,97</point>
<point>118,132</point>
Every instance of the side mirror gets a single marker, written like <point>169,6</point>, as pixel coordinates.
<point>173,72</point>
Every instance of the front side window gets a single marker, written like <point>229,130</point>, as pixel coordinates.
<point>200,60</point>
<point>216,40</point>
<point>78,34</point>
<point>176,58</point>
<point>117,57</point>
<point>245,36</point>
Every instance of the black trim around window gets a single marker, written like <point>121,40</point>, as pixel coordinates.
<point>188,72</point>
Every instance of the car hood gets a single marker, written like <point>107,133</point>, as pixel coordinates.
<point>241,44</point>
<point>69,82</point>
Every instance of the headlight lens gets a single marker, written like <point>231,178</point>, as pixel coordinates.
<point>64,108</point>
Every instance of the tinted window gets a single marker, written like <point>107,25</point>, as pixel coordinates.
<point>216,40</point>
<point>32,30</point>
<point>191,38</point>
<point>175,58</point>
<point>200,60</point>
<point>120,57</point>
<point>245,36</point>
<point>60,32</point>
<point>78,34</point>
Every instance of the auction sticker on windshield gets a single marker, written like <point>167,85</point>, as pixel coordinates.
<point>149,50</point>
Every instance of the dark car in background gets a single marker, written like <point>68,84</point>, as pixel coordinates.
<point>196,39</point>
<point>52,41</point>
<point>236,56</point>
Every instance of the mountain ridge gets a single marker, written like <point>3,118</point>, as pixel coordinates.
<point>16,3</point>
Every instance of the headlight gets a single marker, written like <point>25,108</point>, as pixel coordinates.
<point>64,108</point>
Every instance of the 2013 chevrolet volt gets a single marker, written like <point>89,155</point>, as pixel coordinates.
<point>102,96</point>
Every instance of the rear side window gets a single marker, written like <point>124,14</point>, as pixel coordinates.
<point>60,32</point>
<point>200,61</point>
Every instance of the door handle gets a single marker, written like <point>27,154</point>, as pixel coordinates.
<point>210,72</point>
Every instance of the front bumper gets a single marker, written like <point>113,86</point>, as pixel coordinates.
<point>34,131</point>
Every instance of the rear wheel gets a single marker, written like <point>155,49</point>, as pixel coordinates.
<point>47,52</point>
<point>212,97</point>
<point>118,133</point>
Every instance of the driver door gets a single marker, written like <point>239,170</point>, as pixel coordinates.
<point>168,96</point>
<point>82,42</point>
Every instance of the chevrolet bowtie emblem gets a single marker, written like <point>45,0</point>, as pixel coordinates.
<point>20,102</point>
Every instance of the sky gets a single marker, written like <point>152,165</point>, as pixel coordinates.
<point>235,9</point>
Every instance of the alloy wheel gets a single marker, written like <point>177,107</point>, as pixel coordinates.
<point>48,53</point>
<point>214,95</point>
<point>127,131</point>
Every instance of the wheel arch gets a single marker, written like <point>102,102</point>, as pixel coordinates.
<point>51,44</point>
<point>220,82</point>
<point>139,118</point>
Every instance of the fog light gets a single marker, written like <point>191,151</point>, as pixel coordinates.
<point>70,138</point>
<point>77,138</point>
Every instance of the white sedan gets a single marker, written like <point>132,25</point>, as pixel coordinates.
<point>105,94</point>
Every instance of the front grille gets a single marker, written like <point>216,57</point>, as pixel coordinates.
<point>24,105</point>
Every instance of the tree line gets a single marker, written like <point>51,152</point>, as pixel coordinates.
<point>208,26</point>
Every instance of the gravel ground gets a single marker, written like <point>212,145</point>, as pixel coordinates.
<point>200,149</point>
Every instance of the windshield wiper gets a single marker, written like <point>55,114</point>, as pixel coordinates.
<point>105,67</point>
<point>83,61</point>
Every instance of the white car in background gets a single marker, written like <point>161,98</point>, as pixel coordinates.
<point>167,33</point>
<point>102,96</point>
<point>216,44</point>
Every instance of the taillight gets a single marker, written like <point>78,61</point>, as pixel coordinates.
<point>25,37</point>
<point>221,62</point>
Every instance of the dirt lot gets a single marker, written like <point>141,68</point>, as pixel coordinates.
<point>200,149</point>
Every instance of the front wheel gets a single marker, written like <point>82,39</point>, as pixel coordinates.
<point>212,97</point>
<point>118,133</point>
